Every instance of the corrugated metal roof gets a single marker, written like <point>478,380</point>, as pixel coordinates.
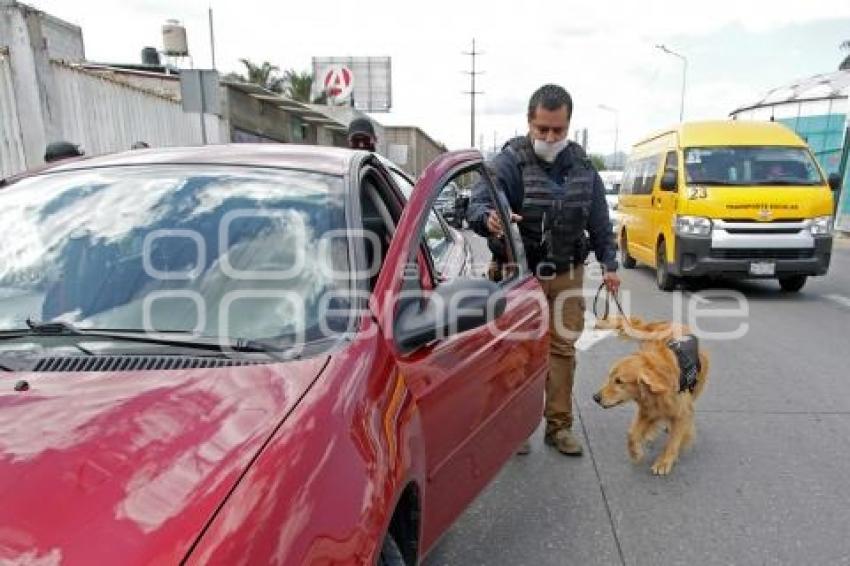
<point>817,87</point>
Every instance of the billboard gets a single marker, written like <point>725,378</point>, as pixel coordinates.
<point>362,82</point>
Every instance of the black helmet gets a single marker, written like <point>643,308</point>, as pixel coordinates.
<point>61,150</point>
<point>361,126</point>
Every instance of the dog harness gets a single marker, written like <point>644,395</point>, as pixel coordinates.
<point>687,354</point>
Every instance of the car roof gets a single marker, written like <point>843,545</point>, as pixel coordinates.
<point>729,133</point>
<point>321,159</point>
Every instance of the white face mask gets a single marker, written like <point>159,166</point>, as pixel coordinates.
<point>548,151</point>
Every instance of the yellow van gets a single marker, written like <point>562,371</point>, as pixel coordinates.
<point>737,199</point>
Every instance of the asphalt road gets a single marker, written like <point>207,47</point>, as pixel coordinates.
<point>768,478</point>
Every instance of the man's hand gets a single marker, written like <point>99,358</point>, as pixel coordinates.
<point>612,281</point>
<point>494,223</point>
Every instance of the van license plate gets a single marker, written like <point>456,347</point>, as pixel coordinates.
<point>763,268</point>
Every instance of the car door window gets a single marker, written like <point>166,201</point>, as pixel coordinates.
<point>438,240</point>
<point>404,184</point>
<point>460,252</point>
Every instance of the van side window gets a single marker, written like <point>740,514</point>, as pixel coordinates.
<point>646,175</point>
<point>637,182</point>
<point>651,173</point>
<point>672,162</point>
<point>640,177</point>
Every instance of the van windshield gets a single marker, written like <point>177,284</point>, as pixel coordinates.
<point>751,166</point>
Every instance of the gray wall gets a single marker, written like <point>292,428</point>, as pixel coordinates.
<point>410,148</point>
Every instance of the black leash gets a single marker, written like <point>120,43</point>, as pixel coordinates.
<point>608,296</point>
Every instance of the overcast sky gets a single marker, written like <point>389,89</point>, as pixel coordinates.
<point>602,52</point>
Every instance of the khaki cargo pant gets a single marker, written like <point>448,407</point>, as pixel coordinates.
<point>566,322</point>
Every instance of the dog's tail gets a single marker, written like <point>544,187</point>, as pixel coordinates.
<point>638,329</point>
<point>702,376</point>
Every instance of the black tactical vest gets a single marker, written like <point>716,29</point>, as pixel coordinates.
<point>687,354</point>
<point>554,217</point>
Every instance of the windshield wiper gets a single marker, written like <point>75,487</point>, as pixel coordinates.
<point>714,182</point>
<point>64,329</point>
<point>786,183</point>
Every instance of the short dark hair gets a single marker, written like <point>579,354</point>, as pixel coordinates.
<point>550,97</point>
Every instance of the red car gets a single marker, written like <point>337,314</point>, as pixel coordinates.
<point>250,355</point>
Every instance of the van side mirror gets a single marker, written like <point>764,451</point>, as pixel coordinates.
<point>669,180</point>
<point>834,181</point>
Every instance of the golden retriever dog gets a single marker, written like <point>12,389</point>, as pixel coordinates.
<point>652,377</point>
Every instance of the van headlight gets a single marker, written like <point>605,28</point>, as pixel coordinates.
<point>821,226</point>
<point>692,226</point>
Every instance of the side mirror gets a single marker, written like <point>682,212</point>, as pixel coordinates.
<point>669,181</point>
<point>452,308</point>
<point>834,181</point>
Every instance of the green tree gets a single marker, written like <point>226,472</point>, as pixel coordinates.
<point>298,86</point>
<point>265,75</point>
<point>597,161</point>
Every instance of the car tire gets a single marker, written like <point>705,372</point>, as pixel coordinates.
<point>793,283</point>
<point>626,260</point>
<point>390,553</point>
<point>663,278</point>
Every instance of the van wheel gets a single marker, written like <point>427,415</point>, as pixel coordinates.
<point>663,278</point>
<point>793,283</point>
<point>390,553</point>
<point>627,261</point>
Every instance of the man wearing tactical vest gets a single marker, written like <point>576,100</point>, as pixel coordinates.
<point>557,199</point>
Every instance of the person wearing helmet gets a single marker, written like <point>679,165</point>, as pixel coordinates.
<point>57,151</point>
<point>361,134</point>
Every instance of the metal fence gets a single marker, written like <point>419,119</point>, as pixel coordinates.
<point>104,115</point>
<point>12,157</point>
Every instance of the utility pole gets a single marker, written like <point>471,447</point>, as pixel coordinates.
<point>472,93</point>
<point>212,38</point>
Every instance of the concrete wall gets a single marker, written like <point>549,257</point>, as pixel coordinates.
<point>410,148</point>
<point>249,114</point>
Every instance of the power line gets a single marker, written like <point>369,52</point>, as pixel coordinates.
<point>472,92</point>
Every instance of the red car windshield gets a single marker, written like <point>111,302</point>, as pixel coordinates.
<point>216,251</point>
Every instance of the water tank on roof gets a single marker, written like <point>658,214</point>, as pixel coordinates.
<point>150,56</point>
<point>174,41</point>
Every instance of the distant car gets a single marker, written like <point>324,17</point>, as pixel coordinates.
<point>247,355</point>
<point>612,181</point>
<point>449,206</point>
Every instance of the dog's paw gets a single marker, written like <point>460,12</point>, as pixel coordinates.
<point>636,453</point>
<point>662,467</point>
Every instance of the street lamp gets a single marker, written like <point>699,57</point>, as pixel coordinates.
<point>684,59</point>
<point>616,128</point>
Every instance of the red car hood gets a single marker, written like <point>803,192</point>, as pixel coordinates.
<point>127,467</point>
